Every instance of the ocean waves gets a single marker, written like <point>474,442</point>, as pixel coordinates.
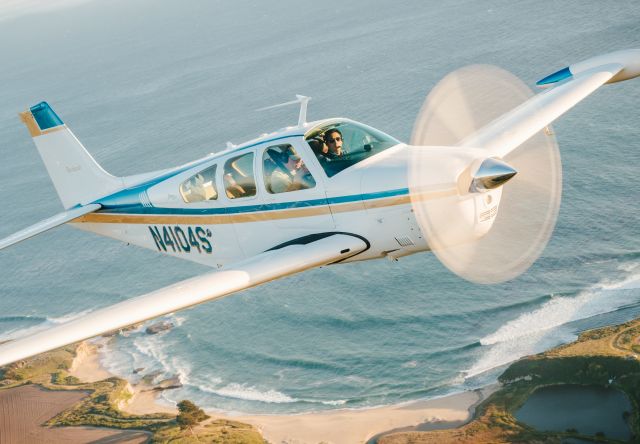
<point>552,322</point>
<point>224,373</point>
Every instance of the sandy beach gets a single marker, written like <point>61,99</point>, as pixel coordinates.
<point>343,426</point>
<point>358,426</point>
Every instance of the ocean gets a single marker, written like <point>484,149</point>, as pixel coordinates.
<point>146,85</point>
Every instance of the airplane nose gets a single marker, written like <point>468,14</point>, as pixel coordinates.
<point>491,174</point>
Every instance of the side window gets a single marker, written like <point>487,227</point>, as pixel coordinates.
<point>238,177</point>
<point>284,170</point>
<point>200,187</point>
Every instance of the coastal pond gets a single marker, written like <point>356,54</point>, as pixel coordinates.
<point>587,409</point>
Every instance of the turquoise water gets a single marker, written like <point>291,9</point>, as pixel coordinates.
<point>148,85</point>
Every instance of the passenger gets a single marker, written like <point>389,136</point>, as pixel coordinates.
<point>295,177</point>
<point>197,188</point>
<point>333,139</point>
<point>279,181</point>
<point>269,169</point>
<point>233,189</point>
<point>320,149</point>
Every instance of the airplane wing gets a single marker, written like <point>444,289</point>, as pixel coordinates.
<point>573,84</point>
<point>273,264</point>
<point>47,224</point>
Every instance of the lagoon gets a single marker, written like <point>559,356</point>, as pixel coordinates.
<point>588,409</point>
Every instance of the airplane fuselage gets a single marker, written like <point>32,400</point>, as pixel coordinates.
<point>370,199</point>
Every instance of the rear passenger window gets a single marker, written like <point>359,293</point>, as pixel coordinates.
<point>200,187</point>
<point>239,180</point>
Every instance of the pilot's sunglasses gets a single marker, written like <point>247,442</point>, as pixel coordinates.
<point>337,139</point>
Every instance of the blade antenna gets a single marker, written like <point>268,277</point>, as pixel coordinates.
<point>302,100</point>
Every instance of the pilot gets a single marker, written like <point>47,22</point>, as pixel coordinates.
<point>333,139</point>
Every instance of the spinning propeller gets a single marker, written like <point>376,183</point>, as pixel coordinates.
<point>499,213</point>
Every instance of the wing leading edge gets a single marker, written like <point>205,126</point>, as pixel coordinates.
<point>262,268</point>
<point>47,224</point>
<point>570,86</point>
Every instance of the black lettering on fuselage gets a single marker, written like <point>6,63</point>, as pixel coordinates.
<point>157,238</point>
<point>202,236</point>
<point>195,238</point>
<point>182,240</point>
<point>193,241</point>
<point>167,238</point>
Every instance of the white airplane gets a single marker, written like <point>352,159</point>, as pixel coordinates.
<point>327,192</point>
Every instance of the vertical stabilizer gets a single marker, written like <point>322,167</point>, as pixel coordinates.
<point>77,177</point>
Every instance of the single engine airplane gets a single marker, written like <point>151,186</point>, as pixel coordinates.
<point>319,193</point>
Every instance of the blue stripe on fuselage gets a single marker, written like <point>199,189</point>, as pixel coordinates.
<point>139,209</point>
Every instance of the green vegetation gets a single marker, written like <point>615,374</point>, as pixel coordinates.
<point>101,407</point>
<point>220,431</point>
<point>604,357</point>
<point>189,414</point>
<point>37,370</point>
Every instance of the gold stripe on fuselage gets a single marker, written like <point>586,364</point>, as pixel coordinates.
<point>258,216</point>
<point>107,218</point>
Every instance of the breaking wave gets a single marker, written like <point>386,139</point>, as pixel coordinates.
<point>540,329</point>
<point>250,393</point>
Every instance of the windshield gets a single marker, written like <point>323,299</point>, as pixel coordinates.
<point>340,145</point>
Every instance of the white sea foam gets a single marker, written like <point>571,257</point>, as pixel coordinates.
<point>337,402</point>
<point>179,320</point>
<point>537,330</point>
<point>559,310</point>
<point>251,393</point>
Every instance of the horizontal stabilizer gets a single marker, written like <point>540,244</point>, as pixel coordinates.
<point>47,224</point>
<point>262,268</point>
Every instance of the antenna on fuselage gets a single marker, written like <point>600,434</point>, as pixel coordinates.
<point>302,100</point>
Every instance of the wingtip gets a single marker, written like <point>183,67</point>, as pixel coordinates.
<point>556,77</point>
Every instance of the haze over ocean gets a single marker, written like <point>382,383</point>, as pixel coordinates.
<point>146,85</point>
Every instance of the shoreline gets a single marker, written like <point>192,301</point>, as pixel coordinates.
<point>332,426</point>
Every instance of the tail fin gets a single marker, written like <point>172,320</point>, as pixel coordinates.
<point>77,177</point>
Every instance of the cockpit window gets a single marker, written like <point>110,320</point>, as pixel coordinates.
<point>284,170</point>
<point>343,144</point>
<point>200,187</point>
<point>238,177</point>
